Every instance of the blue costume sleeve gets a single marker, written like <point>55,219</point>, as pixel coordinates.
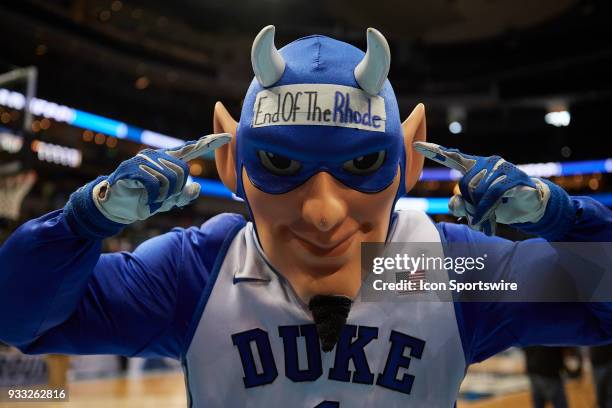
<point>487,328</point>
<point>59,294</point>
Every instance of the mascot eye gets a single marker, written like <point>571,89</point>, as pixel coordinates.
<point>367,164</point>
<point>277,164</point>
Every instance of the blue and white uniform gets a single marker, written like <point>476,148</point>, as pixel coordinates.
<point>208,297</point>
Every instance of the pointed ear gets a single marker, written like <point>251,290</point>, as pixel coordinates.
<point>414,130</point>
<point>225,156</point>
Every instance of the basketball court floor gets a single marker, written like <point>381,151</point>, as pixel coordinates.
<point>496,383</point>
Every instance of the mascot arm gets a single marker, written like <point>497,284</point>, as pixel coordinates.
<point>487,328</point>
<point>58,294</point>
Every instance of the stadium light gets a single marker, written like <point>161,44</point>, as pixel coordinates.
<point>558,119</point>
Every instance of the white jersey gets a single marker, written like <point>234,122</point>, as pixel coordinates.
<point>254,345</point>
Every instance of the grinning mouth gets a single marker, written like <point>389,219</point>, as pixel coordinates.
<point>328,249</point>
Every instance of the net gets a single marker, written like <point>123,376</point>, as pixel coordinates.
<point>13,189</point>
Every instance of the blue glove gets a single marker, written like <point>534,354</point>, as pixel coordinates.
<point>153,181</point>
<point>493,190</point>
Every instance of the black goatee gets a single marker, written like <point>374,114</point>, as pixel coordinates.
<point>329,313</point>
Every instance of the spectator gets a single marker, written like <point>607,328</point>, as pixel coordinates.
<point>544,367</point>
<point>601,359</point>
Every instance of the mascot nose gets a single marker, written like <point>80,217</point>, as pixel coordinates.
<point>324,206</point>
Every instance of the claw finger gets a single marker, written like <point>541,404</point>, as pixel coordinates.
<point>457,207</point>
<point>447,157</point>
<point>203,145</point>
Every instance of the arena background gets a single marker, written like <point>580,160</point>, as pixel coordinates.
<point>86,84</point>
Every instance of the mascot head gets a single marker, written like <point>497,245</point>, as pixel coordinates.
<point>320,156</point>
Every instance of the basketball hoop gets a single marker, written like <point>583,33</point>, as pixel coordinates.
<point>13,189</point>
